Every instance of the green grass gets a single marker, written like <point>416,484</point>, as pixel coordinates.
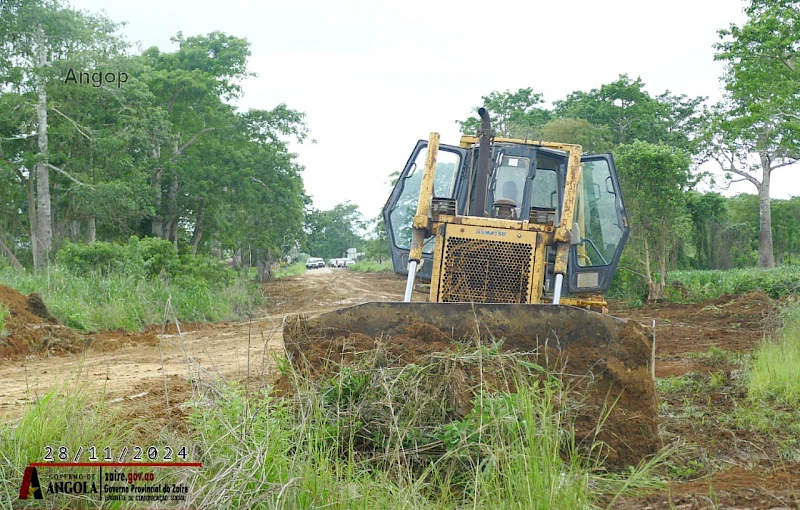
<point>308,451</point>
<point>371,266</point>
<point>776,370</point>
<point>711,284</point>
<point>62,417</point>
<point>295,269</point>
<point>379,442</point>
<point>118,300</point>
<point>3,315</point>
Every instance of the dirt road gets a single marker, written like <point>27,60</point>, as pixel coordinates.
<point>136,367</point>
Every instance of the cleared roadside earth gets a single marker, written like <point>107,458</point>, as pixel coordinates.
<point>134,368</point>
<point>719,464</point>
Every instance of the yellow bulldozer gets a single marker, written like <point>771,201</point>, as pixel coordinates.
<point>517,240</point>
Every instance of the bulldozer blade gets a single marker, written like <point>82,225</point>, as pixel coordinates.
<point>607,358</point>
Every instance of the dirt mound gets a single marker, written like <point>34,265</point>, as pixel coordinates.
<point>730,322</point>
<point>29,327</point>
<point>604,361</point>
<point>417,341</point>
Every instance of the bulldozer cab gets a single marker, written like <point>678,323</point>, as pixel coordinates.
<point>527,182</point>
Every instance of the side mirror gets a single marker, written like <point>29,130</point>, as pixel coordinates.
<point>575,235</point>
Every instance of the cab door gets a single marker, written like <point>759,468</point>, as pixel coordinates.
<point>399,211</point>
<point>603,224</point>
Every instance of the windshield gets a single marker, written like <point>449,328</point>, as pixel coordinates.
<point>509,181</point>
<point>402,215</point>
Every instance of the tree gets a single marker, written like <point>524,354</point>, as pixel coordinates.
<point>190,85</point>
<point>330,233</point>
<point>40,41</point>
<point>514,114</point>
<point>377,246</point>
<point>591,138</point>
<point>707,212</point>
<point>760,113</point>
<point>655,180</point>
<point>631,113</point>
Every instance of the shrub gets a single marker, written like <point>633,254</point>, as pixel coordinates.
<point>155,254</point>
<point>150,257</point>
<point>100,257</point>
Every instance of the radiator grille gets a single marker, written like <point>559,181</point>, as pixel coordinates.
<point>483,271</point>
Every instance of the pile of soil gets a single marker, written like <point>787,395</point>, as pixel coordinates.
<point>30,328</point>
<point>603,361</point>
<point>730,322</point>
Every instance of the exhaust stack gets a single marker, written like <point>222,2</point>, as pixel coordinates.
<point>484,160</point>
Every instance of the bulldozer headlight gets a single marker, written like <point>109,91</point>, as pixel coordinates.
<point>588,280</point>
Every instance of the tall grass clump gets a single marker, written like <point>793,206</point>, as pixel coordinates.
<point>710,284</point>
<point>371,266</point>
<point>3,316</point>
<point>294,269</point>
<point>374,435</point>
<point>108,286</point>
<point>64,416</point>
<point>776,373</point>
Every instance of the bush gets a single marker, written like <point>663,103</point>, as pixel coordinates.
<point>131,301</point>
<point>156,255</point>
<point>3,315</point>
<point>100,257</point>
<point>150,257</point>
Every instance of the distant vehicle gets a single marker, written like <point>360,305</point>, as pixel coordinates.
<point>337,263</point>
<point>349,262</point>
<point>314,263</point>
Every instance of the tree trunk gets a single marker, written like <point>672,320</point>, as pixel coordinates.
<point>198,225</point>
<point>662,266</point>
<point>172,209</point>
<point>11,257</point>
<point>655,291</point>
<point>91,230</point>
<point>74,231</point>
<point>157,222</point>
<point>32,219</point>
<point>265,269</point>
<point>44,233</point>
<point>765,254</point>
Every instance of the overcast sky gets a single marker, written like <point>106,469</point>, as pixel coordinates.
<point>374,77</point>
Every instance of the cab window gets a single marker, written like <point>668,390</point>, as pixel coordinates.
<point>597,216</point>
<point>509,181</point>
<point>402,215</point>
<point>544,193</point>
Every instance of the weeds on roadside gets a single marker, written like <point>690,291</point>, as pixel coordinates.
<point>295,269</point>
<point>775,374</point>
<point>376,436</point>
<point>697,285</point>
<point>371,266</point>
<point>119,300</point>
<point>3,316</point>
<point>64,416</point>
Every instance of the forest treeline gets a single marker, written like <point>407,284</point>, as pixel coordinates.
<point>99,142</point>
